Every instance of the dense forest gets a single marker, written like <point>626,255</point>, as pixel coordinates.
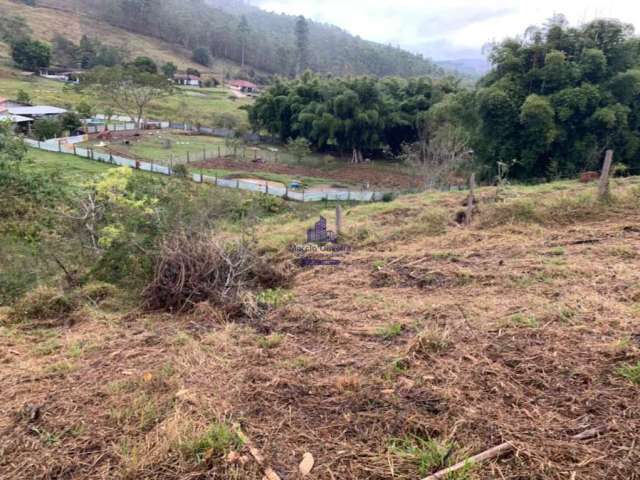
<point>554,101</point>
<point>252,37</point>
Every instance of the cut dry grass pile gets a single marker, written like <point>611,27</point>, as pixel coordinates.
<point>193,268</point>
<point>520,332</point>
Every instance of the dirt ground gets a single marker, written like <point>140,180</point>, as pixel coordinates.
<point>347,173</point>
<point>472,336</point>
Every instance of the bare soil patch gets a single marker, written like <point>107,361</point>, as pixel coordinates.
<point>348,173</point>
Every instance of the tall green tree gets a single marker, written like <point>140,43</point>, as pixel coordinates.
<point>243,32</point>
<point>557,98</point>
<point>169,69</point>
<point>302,44</point>
<point>31,55</point>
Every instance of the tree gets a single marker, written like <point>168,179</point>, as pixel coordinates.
<point>31,55</point>
<point>169,70</point>
<point>65,52</point>
<point>299,148</point>
<point>555,102</point>
<point>128,90</point>
<point>353,116</point>
<point>145,64</point>
<point>46,128</point>
<point>70,122</point>
<point>243,31</point>
<point>87,52</point>
<point>13,151</point>
<point>109,113</point>
<point>84,109</point>
<point>302,44</point>
<point>23,97</point>
<point>201,56</point>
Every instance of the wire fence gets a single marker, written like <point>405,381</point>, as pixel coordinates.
<point>69,145</point>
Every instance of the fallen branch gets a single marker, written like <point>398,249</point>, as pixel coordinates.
<point>592,432</point>
<point>495,452</point>
<point>269,473</point>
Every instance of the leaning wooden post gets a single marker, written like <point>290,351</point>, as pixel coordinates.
<point>338,220</point>
<point>471,200</point>
<point>603,187</point>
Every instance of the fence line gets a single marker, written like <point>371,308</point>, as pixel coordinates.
<point>68,145</point>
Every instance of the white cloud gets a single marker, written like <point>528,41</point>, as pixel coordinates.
<point>445,29</point>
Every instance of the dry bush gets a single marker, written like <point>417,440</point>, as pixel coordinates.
<point>43,303</point>
<point>196,268</point>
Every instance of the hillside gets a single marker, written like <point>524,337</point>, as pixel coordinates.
<point>46,23</point>
<point>268,38</point>
<point>429,343</point>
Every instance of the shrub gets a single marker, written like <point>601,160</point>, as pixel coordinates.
<point>429,455</point>
<point>46,129</point>
<point>274,298</point>
<point>43,303</point>
<point>98,291</point>
<point>197,268</point>
<point>218,440</point>
<point>180,171</point>
<point>631,373</point>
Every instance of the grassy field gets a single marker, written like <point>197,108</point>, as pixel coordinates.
<point>183,105</point>
<point>429,343</point>
<point>68,169</point>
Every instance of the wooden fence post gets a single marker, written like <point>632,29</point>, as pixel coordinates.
<point>188,159</point>
<point>471,201</point>
<point>603,187</point>
<point>338,220</point>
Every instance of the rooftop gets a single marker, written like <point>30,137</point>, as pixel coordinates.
<point>37,110</point>
<point>14,118</point>
<point>243,84</point>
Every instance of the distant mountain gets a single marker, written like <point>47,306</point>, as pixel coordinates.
<point>332,49</point>
<point>266,42</point>
<point>470,67</point>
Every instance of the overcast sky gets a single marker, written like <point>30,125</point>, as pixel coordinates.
<point>448,29</point>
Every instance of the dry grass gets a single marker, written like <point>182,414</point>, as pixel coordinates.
<point>521,330</point>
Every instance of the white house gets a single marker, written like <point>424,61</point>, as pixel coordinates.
<point>188,80</point>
